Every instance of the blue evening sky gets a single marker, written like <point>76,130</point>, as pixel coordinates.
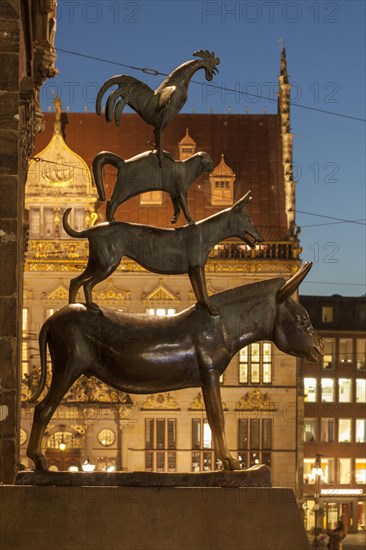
<point>325,44</point>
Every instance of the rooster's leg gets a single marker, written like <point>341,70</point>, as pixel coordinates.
<point>158,143</point>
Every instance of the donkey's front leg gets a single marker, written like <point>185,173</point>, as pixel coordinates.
<point>215,415</point>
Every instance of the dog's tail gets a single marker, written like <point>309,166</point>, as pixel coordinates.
<point>42,339</point>
<point>69,230</point>
<point>103,158</point>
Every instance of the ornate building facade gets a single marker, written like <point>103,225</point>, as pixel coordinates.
<point>166,432</point>
<point>334,415</point>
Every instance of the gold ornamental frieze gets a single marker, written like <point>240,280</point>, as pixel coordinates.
<point>255,400</point>
<point>160,401</point>
<point>198,404</point>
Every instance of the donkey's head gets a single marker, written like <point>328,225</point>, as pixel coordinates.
<point>293,332</point>
<point>241,224</point>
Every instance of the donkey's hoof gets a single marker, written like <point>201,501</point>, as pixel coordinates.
<point>231,464</point>
<point>40,463</point>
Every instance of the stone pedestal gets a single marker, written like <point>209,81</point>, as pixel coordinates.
<point>149,518</point>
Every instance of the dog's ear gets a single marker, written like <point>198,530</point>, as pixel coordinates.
<point>239,205</point>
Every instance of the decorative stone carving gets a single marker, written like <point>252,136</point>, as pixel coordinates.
<point>112,293</point>
<point>199,405</point>
<point>255,400</point>
<point>160,401</point>
<point>160,294</point>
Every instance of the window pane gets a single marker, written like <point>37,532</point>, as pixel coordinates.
<point>327,314</point>
<point>345,350</point>
<point>360,430</point>
<point>172,462</point>
<point>267,458</point>
<point>310,390</point>
<point>172,433</point>
<point>361,353</point>
<point>266,433</point>
<point>360,390</point>
<point>327,465</point>
<point>327,388</point>
<point>327,431</point>
<point>196,433</point>
<point>254,458</point>
<point>360,470</point>
<point>160,462</point>
<point>254,355</point>
<point>254,433</point>
<point>196,462</point>
<point>254,373</point>
<point>267,373</point>
<point>48,223</point>
<point>344,472</point>
<point>267,349</point>
<point>149,433</point>
<point>34,223</point>
<point>243,458</point>
<point>160,433</point>
<point>344,430</point>
<point>243,433</point>
<point>243,373</point>
<point>207,438</point>
<point>79,219</point>
<point>329,353</point>
<point>309,430</point>
<point>207,461</point>
<point>308,466</point>
<point>149,461</point>
<point>345,387</point>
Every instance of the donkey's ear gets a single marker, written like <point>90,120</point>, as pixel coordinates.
<point>291,285</point>
<point>241,203</point>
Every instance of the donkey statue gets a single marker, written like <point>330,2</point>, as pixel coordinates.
<point>140,354</point>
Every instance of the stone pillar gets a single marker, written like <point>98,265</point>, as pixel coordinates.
<point>124,444</point>
<point>12,179</point>
<point>18,91</point>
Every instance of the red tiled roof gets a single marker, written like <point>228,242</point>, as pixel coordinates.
<point>251,144</point>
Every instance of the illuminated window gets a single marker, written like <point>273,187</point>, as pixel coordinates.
<point>310,430</point>
<point>360,430</point>
<point>344,471</point>
<point>160,440</point>
<point>327,389</point>
<point>360,390</point>
<point>49,229</point>
<point>34,223</point>
<point>255,364</point>
<point>327,430</point>
<point>345,350</point>
<point>360,470</point>
<point>151,197</point>
<point>327,314</point>
<point>344,430</point>
<point>25,341</point>
<point>329,353</point>
<point>254,441</point>
<point>327,466</point>
<point>361,353</point>
<point>345,390</point>
<point>202,454</point>
<point>310,395</point>
<point>161,311</point>
<point>222,181</point>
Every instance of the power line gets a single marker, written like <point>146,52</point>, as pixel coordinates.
<point>155,72</point>
<point>331,283</point>
<point>330,223</point>
<point>328,217</point>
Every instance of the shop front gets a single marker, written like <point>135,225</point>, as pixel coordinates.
<point>347,505</point>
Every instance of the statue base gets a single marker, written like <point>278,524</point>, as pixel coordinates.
<point>149,518</point>
<point>257,476</point>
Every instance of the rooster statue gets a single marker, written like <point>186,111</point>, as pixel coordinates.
<point>160,107</point>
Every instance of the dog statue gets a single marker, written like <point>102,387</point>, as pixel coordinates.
<point>142,173</point>
<point>170,251</point>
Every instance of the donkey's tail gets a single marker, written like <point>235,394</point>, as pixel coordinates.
<point>69,230</point>
<point>42,339</point>
<point>103,158</point>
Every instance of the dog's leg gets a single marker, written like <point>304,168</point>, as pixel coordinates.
<point>61,383</point>
<point>100,273</point>
<point>198,281</point>
<point>176,210</point>
<point>215,416</point>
